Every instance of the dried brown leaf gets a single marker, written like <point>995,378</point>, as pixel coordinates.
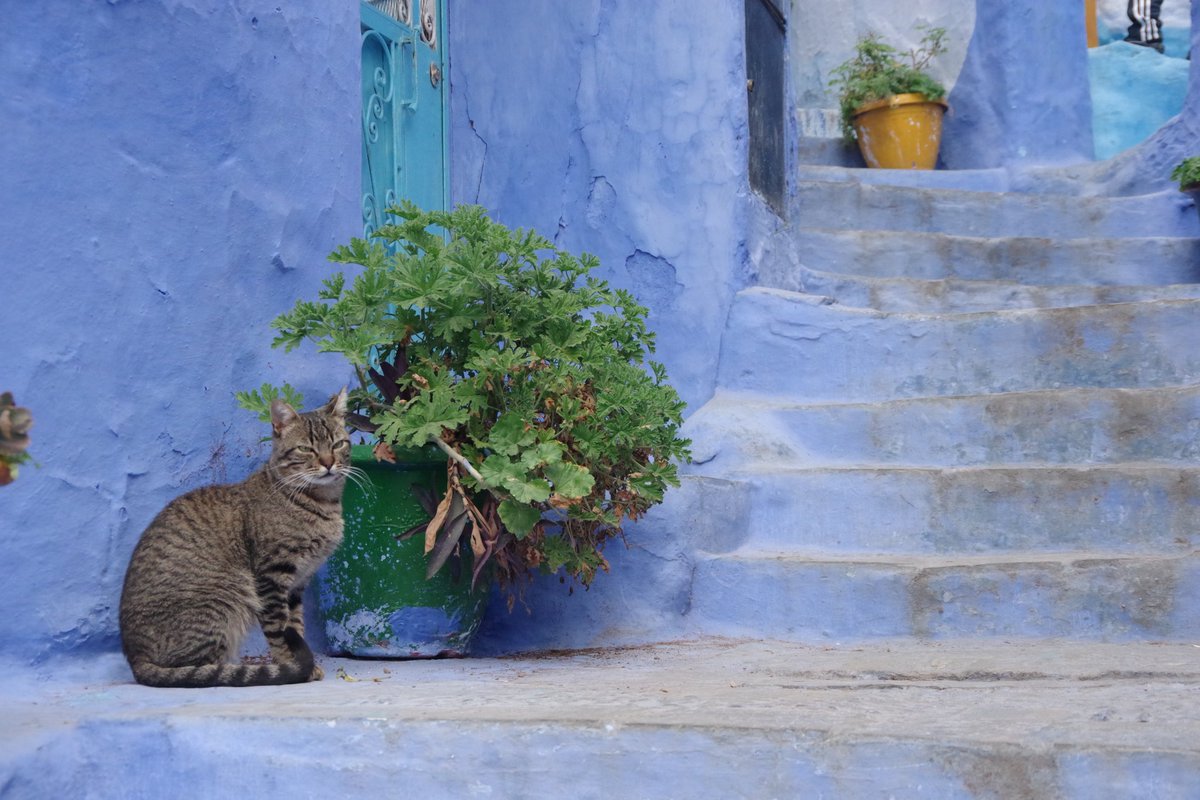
<point>383,452</point>
<point>435,524</point>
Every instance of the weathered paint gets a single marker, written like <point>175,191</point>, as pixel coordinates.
<point>590,125</point>
<point>902,133</point>
<point>175,173</point>
<point>162,204</point>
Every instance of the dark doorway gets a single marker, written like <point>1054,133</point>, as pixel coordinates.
<point>765,39</point>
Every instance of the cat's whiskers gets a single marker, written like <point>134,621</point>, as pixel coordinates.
<point>360,479</point>
<point>293,484</point>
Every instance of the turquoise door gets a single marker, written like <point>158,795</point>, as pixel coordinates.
<point>404,109</point>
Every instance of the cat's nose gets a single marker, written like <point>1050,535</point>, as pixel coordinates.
<point>325,461</point>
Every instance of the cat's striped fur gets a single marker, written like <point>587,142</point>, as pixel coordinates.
<point>221,557</point>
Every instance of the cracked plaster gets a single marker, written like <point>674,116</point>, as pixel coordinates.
<point>168,202</point>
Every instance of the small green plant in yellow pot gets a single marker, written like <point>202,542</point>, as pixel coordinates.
<point>890,104</point>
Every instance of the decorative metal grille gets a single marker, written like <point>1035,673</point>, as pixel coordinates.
<point>403,108</point>
<point>428,25</point>
<point>400,10</point>
<point>380,170</point>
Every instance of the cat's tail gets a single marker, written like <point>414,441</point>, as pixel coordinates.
<point>205,675</point>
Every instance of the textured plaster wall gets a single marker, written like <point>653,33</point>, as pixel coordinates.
<point>172,175</point>
<point>1023,95</point>
<point>615,128</point>
<point>564,156</point>
<point>1016,73</point>
<point>1135,91</point>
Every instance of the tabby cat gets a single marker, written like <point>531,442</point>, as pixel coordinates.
<point>219,557</point>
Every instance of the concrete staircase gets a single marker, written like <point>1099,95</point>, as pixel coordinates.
<point>954,414</point>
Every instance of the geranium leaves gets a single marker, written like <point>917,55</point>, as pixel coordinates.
<point>570,481</point>
<point>420,420</point>
<point>508,353</point>
<point>509,435</point>
<point>503,473</point>
<point>519,518</point>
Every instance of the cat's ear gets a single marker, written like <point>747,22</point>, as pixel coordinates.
<point>282,415</point>
<point>336,404</point>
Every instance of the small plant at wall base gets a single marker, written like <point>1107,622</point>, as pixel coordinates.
<point>15,423</point>
<point>528,373</point>
<point>880,77</point>
<point>1187,173</point>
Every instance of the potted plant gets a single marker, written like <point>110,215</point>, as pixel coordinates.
<point>524,376</point>
<point>15,423</point>
<point>890,104</point>
<point>1187,173</point>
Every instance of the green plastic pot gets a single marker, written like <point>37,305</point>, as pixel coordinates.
<point>372,593</point>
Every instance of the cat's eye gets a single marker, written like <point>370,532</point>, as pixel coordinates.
<point>303,450</point>
<point>343,444</point>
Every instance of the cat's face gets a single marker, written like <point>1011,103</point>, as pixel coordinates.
<point>311,448</point>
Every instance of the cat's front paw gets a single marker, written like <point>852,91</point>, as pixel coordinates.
<point>317,673</point>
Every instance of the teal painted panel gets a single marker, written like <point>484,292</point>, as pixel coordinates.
<point>403,107</point>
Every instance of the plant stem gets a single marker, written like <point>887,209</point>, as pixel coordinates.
<point>455,456</point>
<point>362,378</point>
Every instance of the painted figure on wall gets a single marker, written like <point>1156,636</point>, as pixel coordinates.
<point>1145,29</point>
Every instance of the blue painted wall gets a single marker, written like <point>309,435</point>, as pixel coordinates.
<point>172,175</point>
<point>1023,94</point>
<point>1125,113</point>
<point>174,172</point>
<point>591,123</point>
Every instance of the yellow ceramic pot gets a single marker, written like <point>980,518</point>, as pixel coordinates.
<point>903,131</point>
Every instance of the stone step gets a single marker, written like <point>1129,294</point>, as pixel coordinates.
<point>1135,509</point>
<point>975,180</point>
<point>956,296</point>
<point>807,348</point>
<point>860,206</point>
<point>1057,426</point>
<point>709,718</point>
<point>1084,596</point>
<point>1029,260</point>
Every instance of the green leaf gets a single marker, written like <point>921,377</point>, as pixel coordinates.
<point>535,490</point>
<point>513,353</point>
<point>570,480</point>
<point>507,475</point>
<point>509,434</point>
<point>420,420</point>
<point>333,287</point>
<point>518,518</point>
<point>259,400</point>
<point>541,454</point>
<point>498,470</point>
